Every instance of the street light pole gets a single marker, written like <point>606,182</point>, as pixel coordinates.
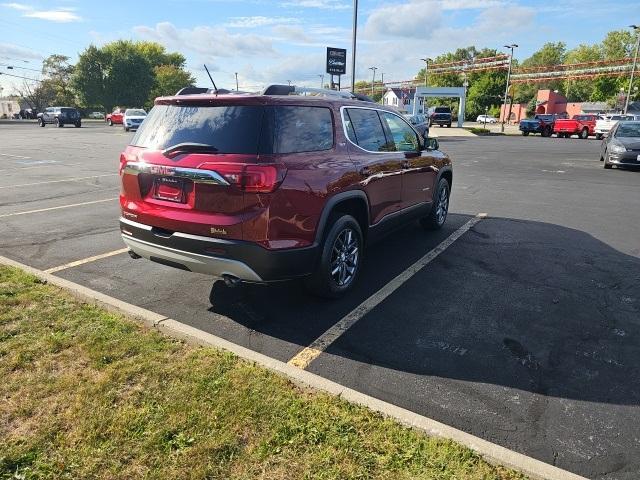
<point>353,46</point>
<point>506,92</point>
<point>373,82</point>
<point>321,80</point>
<point>426,69</point>
<point>383,91</point>
<point>237,89</point>
<point>636,29</point>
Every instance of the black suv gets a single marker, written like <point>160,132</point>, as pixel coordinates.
<point>60,116</point>
<point>441,116</point>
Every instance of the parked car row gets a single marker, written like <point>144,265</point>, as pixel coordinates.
<point>582,125</point>
<point>130,118</point>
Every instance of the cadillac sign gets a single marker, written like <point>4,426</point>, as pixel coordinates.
<point>336,61</point>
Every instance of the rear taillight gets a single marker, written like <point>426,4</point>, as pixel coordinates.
<point>250,177</point>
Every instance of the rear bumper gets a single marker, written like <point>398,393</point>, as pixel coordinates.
<point>246,261</point>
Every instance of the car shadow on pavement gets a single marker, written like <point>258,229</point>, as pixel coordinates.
<point>521,304</point>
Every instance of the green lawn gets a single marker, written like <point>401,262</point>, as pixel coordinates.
<point>88,394</point>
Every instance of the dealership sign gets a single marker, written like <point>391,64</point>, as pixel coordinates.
<point>336,61</point>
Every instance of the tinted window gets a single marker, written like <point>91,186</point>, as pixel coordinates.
<point>628,130</point>
<point>367,130</point>
<point>442,110</point>
<point>230,129</point>
<point>404,138</point>
<point>302,129</point>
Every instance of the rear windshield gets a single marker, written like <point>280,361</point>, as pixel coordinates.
<point>443,110</point>
<point>240,129</point>
<point>68,110</point>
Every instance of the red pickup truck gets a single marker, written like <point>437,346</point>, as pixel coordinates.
<point>115,117</point>
<point>581,125</point>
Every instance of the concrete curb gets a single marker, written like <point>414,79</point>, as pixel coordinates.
<point>489,451</point>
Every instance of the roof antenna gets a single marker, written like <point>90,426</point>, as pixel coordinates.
<point>211,78</point>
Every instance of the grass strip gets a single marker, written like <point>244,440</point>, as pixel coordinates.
<point>87,394</point>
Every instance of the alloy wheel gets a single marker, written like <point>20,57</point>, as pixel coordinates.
<point>344,257</point>
<point>442,207</point>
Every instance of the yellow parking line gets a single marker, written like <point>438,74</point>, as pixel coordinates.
<point>307,355</point>
<point>73,179</point>
<point>86,260</point>
<point>58,208</point>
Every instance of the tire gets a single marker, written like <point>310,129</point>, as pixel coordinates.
<point>126,129</point>
<point>41,122</point>
<point>78,125</point>
<point>110,122</point>
<point>546,132</point>
<point>448,125</point>
<point>342,248</point>
<point>584,134</point>
<point>59,124</point>
<point>599,136</point>
<point>607,165</point>
<point>525,134</point>
<point>440,208</point>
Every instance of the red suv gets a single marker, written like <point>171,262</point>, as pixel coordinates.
<point>275,186</point>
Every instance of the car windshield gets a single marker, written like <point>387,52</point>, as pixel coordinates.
<point>135,112</point>
<point>627,130</point>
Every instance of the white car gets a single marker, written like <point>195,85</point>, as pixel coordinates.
<point>486,119</point>
<point>607,122</point>
<point>133,118</point>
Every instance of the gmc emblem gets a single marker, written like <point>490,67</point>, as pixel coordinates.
<point>162,170</point>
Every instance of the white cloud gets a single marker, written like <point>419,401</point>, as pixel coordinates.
<point>321,4</point>
<point>17,6</point>
<point>209,42</point>
<point>414,19</point>
<point>294,34</point>
<point>20,53</point>
<point>259,21</point>
<point>58,15</point>
<point>470,4</point>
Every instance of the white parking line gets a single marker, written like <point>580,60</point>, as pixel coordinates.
<point>307,355</point>
<point>58,208</point>
<point>12,156</point>
<point>77,263</point>
<point>72,179</point>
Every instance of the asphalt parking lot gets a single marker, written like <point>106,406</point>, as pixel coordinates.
<point>525,331</point>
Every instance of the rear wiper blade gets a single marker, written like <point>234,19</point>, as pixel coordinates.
<point>188,147</point>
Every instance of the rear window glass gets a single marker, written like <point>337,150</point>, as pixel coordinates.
<point>240,129</point>
<point>230,129</point>
<point>68,110</point>
<point>443,110</point>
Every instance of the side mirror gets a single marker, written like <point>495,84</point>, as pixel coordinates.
<point>431,144</point>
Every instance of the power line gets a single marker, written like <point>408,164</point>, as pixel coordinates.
<point>21,68</point>
<point>19,76</point>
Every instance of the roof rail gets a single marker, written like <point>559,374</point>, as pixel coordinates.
<point>203,90</point>
<point>192,91</point>
<point>309,91</point>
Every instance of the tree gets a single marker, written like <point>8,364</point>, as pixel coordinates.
<point>168,80</point>
<point>580,90</point>
<point>57,71</point>
<point>125,73</point>
<point>39,95</point>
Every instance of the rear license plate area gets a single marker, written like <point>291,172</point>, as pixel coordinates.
<point>169,189</point>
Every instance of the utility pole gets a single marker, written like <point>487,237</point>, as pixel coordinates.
<point>373,82</point>
<point>506,92</point>
<point>636,29</point>
<point>353,46</point>
<point>237,89</point>
<point>321,80</point>
<point>382,81</point>
<point>426,68</point>
<point>289,82</point>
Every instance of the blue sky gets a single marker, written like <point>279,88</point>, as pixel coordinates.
<point>275,41</point>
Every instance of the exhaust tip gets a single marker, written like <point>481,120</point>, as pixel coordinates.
<point>133,254</point>
<point>231,281</point>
